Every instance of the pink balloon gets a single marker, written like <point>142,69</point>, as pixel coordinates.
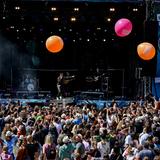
<point>123,27</point>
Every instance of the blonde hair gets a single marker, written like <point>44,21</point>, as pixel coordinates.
<point>48,139</point>
<point>5,149</point>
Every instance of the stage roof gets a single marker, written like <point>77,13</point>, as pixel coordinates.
<point>133,1</point>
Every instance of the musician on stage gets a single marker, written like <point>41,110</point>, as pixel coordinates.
<point>63,84</point>
<point>95,80</point>
<point>60,80</point>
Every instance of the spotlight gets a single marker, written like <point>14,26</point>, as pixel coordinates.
<point>98,28</point>
<point>74,40</point>
<point>88,39</point>
<point>73,19</point>
<point>112,9</point>
<point>53,8</point>
<point>108,19</point>
<point>17,8</point>
<point>76,9</point>
<point>55,19</point>
<point>135,9</point>
<point>104,40</point>
<point>12,27</point>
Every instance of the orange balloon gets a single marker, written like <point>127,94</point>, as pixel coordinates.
<point>54,44</point>
<point>146,51</point>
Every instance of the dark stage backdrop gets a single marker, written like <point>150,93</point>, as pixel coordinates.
<point>89,43</point>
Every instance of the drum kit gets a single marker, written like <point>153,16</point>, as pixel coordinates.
<point>29,84</point>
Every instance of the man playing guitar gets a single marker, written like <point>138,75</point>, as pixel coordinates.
<point>62,84</point>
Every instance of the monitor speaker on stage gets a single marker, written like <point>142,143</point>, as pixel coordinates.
<point>151,36</point>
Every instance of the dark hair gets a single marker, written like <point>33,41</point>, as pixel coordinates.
<point>146,145</point>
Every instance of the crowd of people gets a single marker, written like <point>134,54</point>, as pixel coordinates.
<point>80,132</point>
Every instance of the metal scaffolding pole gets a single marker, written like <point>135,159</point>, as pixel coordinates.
<point>147,85</point>
<point>150,10</point>
<point>150,16</point>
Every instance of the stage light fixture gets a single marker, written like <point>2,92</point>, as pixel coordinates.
<point>88,39</point>
<point>98,28</point>
<point>55,18</point>
<point>108,19</point>
<point>112,9</point>
<point>76,9</point>
<point>135,9</point>
<point>53,8</point>
<point>12,27</point>
<point>17,8</point>
<point>73,19</point>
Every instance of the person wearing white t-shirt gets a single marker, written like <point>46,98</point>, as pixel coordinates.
<point>104,147</point>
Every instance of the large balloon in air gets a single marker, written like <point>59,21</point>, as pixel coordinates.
<point>54,44</point>
<point>146,51</point>
<point>123,27</point>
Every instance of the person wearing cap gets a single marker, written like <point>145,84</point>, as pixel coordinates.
<point>78,119</point>
<point>66,150</point>
<point>10,141</point>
